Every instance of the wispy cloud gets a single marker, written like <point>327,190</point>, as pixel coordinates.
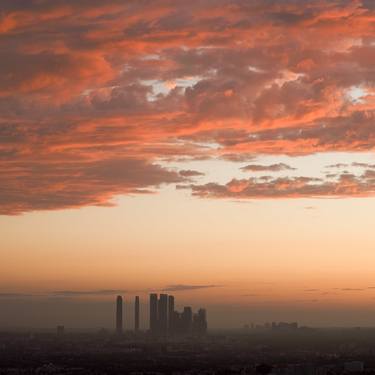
<point>15,295</point>
<point>268,168</point>
<point>185,287</point>
<point>346,185</point>
<point>190,173</point>
<point>76,293</point>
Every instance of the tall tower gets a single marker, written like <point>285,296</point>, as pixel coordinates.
<point>136,314</point>
<point>203,320</point>
<point>171,326</point>
<point>187,319</point>
<point>153,313</point>
<point>163,314</point>
<point>200,322</point>
<point>119,314</point>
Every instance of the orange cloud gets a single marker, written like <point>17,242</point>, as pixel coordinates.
<point>84,83</point>
<point>346,185</point>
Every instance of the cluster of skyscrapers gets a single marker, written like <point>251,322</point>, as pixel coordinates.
<point>164,319</point>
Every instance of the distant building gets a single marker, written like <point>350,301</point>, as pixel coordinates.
<point>163,314</point>
<point>187,319</point>
<point>171,327</point>
<point>200,322</point>
<point>177,323</point>
<point>119,315</point>
<point>165,320</point>
<point>136,314</point>
<point>154,313</point>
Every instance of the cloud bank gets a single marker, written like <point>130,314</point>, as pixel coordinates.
<point>94,95</point>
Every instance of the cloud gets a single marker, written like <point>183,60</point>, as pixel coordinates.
<point>338,165</point>
<point>363,165</point>
<point>354,164</point>
<point>91,104</point>
<point>269,168</point>
<point>80,293</point>
<point>103,292</point>
<point>57,184</point>
<point>347,185</point>
<point>64,293</point>
<point>239,158</point>
<point>184,287</point>
<point>15,295</point>
<point>190,173</point>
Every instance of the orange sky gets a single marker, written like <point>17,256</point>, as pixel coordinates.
<point>223,150</point>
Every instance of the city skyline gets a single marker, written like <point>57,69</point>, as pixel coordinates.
<point>220,151</point>
<point>163,319</point>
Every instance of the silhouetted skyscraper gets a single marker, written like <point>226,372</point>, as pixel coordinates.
<point>203,320</point>
<point>163,314</point>
<point>200,322</point>
<point>119,314</point>
<point>136,314</point>
<point>165,320</point>
<point>154,313</point>
<point>171,325</point>
<point>187,319</point>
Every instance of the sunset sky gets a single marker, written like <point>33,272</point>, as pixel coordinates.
<point>219,150</point>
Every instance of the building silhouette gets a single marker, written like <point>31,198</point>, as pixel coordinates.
<point>119,326</point>
<point>163,314</point>
<point>170,314</point>
<point>136,314</point>
<point>165,320</point>
<point>187,319</point>
<point>154,313</point>
<point>200,323</point>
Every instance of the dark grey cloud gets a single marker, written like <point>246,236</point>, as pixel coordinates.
<point>338,165</point>
<point>15,295</point>
<point>190,173</point>
<point>363,165</point>
<point>269,168</point>
<point>79,293</point>
<point>238,158</point>
<point>185,287</point>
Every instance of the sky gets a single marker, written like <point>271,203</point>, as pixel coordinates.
<point>219,150</point>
